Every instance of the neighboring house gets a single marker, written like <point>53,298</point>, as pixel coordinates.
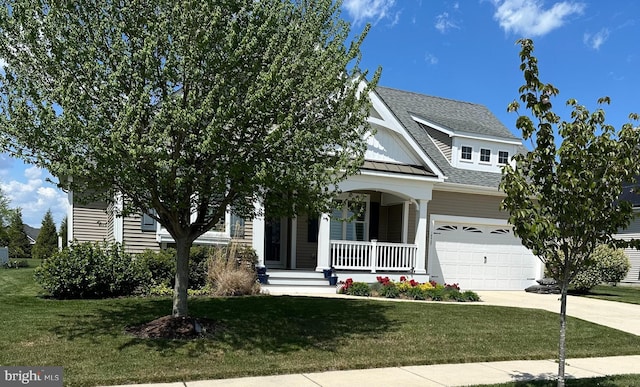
<point>32,234</point>
<point>430,206</point>
<point>632,232</point>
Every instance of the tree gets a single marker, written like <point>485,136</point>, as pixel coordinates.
<point>19,246</point>
<point>63,232</point>
<point>47,241</point>
<point>564,201</point>
<point>186,108</point>
<point>5,216</point>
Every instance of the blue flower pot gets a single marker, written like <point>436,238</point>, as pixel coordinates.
<point>261,269</point>
<point>263,278</point>
<point>333,280</point>
<point>327,273</point>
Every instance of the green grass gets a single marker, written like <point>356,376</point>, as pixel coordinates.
<point>271,335</point>
<point>628,294</point>
<point>607,381</point>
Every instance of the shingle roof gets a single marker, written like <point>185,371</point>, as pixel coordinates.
<point>450,114</point>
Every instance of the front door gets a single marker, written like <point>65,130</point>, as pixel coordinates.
<point>275,250</point>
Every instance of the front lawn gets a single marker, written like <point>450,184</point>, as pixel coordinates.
<point>628,294</point>
<point>268,335</point>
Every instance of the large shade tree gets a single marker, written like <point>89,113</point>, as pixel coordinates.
<point>564,200</point>
<point>186,108</point>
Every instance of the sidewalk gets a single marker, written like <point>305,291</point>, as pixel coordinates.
<point>435,375</point>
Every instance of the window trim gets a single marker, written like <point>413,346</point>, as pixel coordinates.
<point>499,157</point>
<point>345,210</point>
<point>488,155</point>
<point>462,153</point>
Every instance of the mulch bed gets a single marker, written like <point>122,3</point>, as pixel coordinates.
<point>175,328</point>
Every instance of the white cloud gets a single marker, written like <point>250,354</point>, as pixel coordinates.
<point>530,19</point>
<point>444,23</point>
<point>431,59</point>
<point>374,10</point>
<point>35,196</point>
<point>596,40</point>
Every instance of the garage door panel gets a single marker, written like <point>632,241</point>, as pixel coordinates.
<point>460,258</point>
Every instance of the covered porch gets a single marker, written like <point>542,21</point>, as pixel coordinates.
<point>382,233</point>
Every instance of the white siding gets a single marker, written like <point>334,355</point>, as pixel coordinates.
<point>633,231</point>
<point>388,147</point>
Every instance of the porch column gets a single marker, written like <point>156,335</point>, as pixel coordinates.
<point>324,243</point>
<point>257,239</point>
<point>421,237</point>
<point>405,221</point>
<point>294,242</point>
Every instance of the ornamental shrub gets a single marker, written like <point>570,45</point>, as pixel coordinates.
<point>390,290</point>
<point>416,293</point>
<point>161,265</point>
<point>91,270</point>
<point>231,272</point>
<point>359,289</point>
<point>607,265</point>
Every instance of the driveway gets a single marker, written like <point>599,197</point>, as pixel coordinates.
<point>618,315</point>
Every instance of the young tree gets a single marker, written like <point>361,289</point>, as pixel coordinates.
<point>186,108</point>
<point>47,241</point>
<point>19,246</point>
<point>5,217</point>
<point>564,201</point>
<point>62,233</point>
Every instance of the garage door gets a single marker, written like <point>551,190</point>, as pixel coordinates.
<point>481,257</point>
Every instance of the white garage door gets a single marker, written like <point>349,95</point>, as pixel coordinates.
<point>481,257</point>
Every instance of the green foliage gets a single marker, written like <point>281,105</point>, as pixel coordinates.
<point>88,270</point>
<point>470,296</point>
<point>390,290</point>
<point>563,201</point>
<point>15,264</point>
<point>185,118</point>
<point>63,232</point>
<point>47,242</point>
<point>416,293</point>
<point>606,265</point>
<point>161,266</point>
<point>359,289</point>
<point>19,246</point>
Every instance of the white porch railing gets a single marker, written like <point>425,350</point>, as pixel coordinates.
<point>374,255</point>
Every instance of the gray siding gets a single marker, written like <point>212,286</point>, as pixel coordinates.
<point>469,205</point>
<point>134,239</point>
<point>90,222</point>
<point>633,231</point>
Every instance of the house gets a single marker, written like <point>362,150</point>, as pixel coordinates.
<point>32,234</point>
<point>429,206</point>
<point>632,232</point>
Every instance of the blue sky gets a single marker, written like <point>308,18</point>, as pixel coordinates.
<point>463,50</point>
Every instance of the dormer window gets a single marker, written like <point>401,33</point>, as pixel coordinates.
<point>485,155</point>
<point>466,153</point>
<point>503,157</point>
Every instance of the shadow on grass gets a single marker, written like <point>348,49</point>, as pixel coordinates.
<point>277,324</point>
<point>549,380</point>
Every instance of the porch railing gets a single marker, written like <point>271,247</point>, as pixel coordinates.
<point>374,255</point>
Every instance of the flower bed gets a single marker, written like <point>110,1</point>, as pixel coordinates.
<point>407,289</point>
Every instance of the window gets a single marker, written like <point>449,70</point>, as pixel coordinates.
<point>466,153</point>
<point>485,155</point>
<point>349,221</point>
<point>503,157</point>
<point>147,223</point>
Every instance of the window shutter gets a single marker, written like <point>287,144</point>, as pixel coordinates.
<point>147,223</point>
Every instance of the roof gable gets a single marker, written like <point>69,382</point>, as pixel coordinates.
<point>454,117</point>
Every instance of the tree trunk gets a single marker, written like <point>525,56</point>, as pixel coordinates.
<point>183,247</point>
<point>563,333</point>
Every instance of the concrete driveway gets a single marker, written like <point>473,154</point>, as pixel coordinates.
<point>618,315</point>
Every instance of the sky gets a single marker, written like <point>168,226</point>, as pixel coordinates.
<point>463,50</point>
